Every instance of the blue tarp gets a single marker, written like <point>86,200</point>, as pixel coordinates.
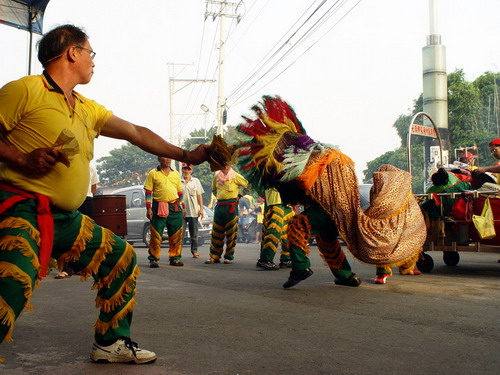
<point>23,14</point>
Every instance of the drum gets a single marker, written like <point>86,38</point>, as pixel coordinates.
<point>109,212</point>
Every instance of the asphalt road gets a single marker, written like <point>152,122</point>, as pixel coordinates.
<point>236,319</point>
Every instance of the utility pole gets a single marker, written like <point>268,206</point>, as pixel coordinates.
<point>176,139</point>
<point>173,139</point>
<point>435,93</point>
<point>171,81</point>
<point>224,9</point>
<point>171,92</point>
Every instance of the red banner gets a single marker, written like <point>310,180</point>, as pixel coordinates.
<point>426,131</point>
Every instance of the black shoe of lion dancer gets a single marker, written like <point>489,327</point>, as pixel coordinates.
<point>296,277</point>
<point>352,280</point>
<point>268,266</point>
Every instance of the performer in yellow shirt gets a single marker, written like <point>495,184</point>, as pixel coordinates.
<point>47,133</point>
<point>276,217</point>
<point>163,203</point>
<point>225,185</point>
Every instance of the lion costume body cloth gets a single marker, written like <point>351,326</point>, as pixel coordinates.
<point>275,152</point>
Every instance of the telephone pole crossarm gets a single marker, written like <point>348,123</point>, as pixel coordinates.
<point>189,81</point>
<point>224,9</point>
<point>171,91</point>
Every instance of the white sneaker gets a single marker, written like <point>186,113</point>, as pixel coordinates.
<point>123,350</point>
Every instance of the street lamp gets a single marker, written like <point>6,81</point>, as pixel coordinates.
<point>220,121</point>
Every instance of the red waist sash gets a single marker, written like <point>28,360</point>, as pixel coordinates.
<point>232,204</point>
<point>44,219</point>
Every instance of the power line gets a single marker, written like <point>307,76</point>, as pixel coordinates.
<point>197,67</point>
<point>197,90</point>
<point>194,103</point>
<point>249,25</point>
<point>304,37</point>
<point>226,9</point>
<point>286,53</point>
<point>260,65</point>
<point>184,120</point>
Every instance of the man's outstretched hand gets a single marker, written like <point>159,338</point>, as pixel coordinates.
<point>199,155</point>
<point>41,161</point>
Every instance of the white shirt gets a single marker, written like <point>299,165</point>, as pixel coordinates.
<point>94,180</point>
<point>191,191</point>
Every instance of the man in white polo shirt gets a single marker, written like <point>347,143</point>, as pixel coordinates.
<point>193,200</point>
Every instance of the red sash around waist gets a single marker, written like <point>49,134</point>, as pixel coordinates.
<point>232,204</point>
<point>44,219</point>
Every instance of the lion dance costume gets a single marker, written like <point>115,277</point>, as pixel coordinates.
<point>276,218</point>
<point>277,152</point>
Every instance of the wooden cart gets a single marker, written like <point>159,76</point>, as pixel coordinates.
<point>452,236</point>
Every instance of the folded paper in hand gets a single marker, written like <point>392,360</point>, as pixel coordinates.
<point>67,145</point>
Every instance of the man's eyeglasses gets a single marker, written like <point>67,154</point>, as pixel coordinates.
<point>492,150</point>
<point>91,53</point>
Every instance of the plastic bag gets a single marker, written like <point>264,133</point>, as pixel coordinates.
<point>462,208</point>
<point>485,224</point>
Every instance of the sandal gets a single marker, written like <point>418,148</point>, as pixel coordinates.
<point>212,261</point>
<point>62,275</point>
<point>412,272</point>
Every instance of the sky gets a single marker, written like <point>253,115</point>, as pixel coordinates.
<point>348,80</point>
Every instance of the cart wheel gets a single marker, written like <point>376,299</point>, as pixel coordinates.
<point>425,263</point>
<point>451,258</point>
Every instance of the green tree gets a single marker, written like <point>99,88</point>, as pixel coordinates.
<point>129,165</point>
<point>402,123</point>
<point>232,136</point>
<point>399,157</point>
<point>473,121</point>
<point>488,85</point>
<point>202,171</point>
<point>466,107</point>
<point>125,166</point>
